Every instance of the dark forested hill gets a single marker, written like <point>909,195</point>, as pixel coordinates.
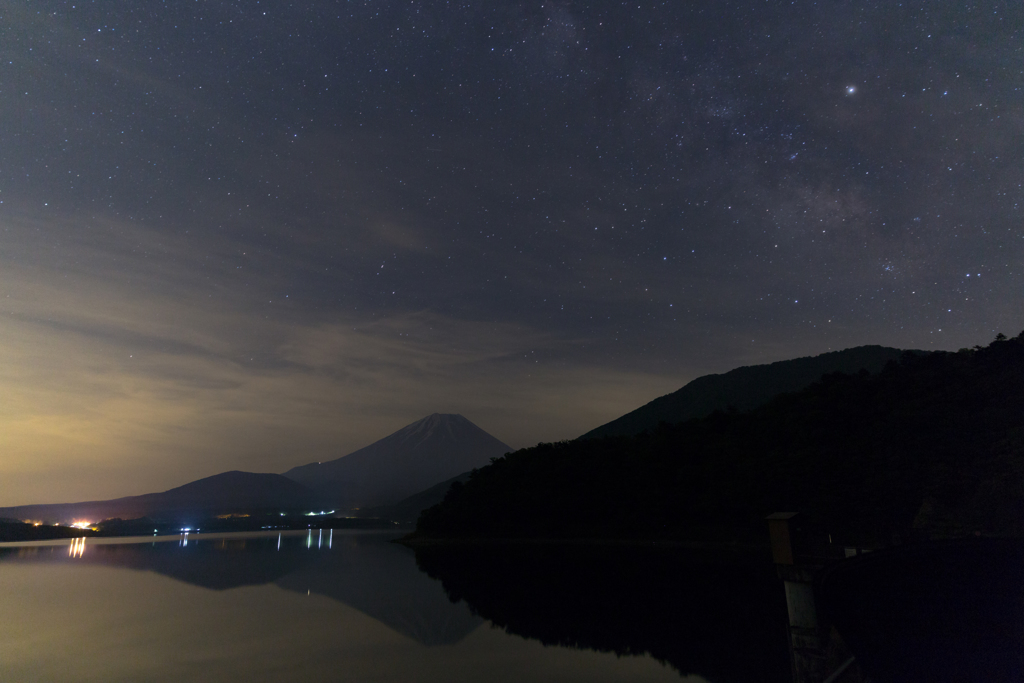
<point>744,388</point>
<point>934,444</point>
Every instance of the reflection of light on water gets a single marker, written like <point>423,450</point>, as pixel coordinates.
<point>77,547</point>
<point>184,538</point>
<point>309,539</point>
<point>279,541</point>
<point>320,540</point>
<point>330,539</point>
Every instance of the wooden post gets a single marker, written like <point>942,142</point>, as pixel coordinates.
<point>806,641</point>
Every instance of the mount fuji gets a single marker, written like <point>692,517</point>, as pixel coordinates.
<point>414,458</point>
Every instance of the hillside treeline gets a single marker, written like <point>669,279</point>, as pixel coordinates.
<point>931,446</point>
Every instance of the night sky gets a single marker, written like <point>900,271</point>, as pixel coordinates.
<point>251,235</point>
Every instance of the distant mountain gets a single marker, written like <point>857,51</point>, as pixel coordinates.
<point>745,388</point>
<point>225,493</point>
<point>414,458</point>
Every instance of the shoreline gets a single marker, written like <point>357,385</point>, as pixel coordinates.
<point>730,546</point>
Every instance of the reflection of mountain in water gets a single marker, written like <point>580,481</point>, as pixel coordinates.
<point>382,581</point>
<point>723,619</point>
<point>215,564</point>
<point>363,571</point>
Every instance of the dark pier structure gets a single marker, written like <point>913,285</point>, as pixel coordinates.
<point>949,610</point>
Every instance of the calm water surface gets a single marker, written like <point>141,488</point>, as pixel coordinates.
<point>330,606</point>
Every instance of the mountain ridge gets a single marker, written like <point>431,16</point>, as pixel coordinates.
<point>221,493</point>
<point>745,388</point>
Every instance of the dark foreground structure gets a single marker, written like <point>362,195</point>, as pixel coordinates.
<point>929,611</point>
<point>947,611</point>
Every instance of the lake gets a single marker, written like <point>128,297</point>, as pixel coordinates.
<point>352,606</point>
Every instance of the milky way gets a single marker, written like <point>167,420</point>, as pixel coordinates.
<point>250,235</point>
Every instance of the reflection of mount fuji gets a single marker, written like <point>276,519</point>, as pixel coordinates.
<point>363,571</point>
<point>217,564</point>
<point>382,581</point>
